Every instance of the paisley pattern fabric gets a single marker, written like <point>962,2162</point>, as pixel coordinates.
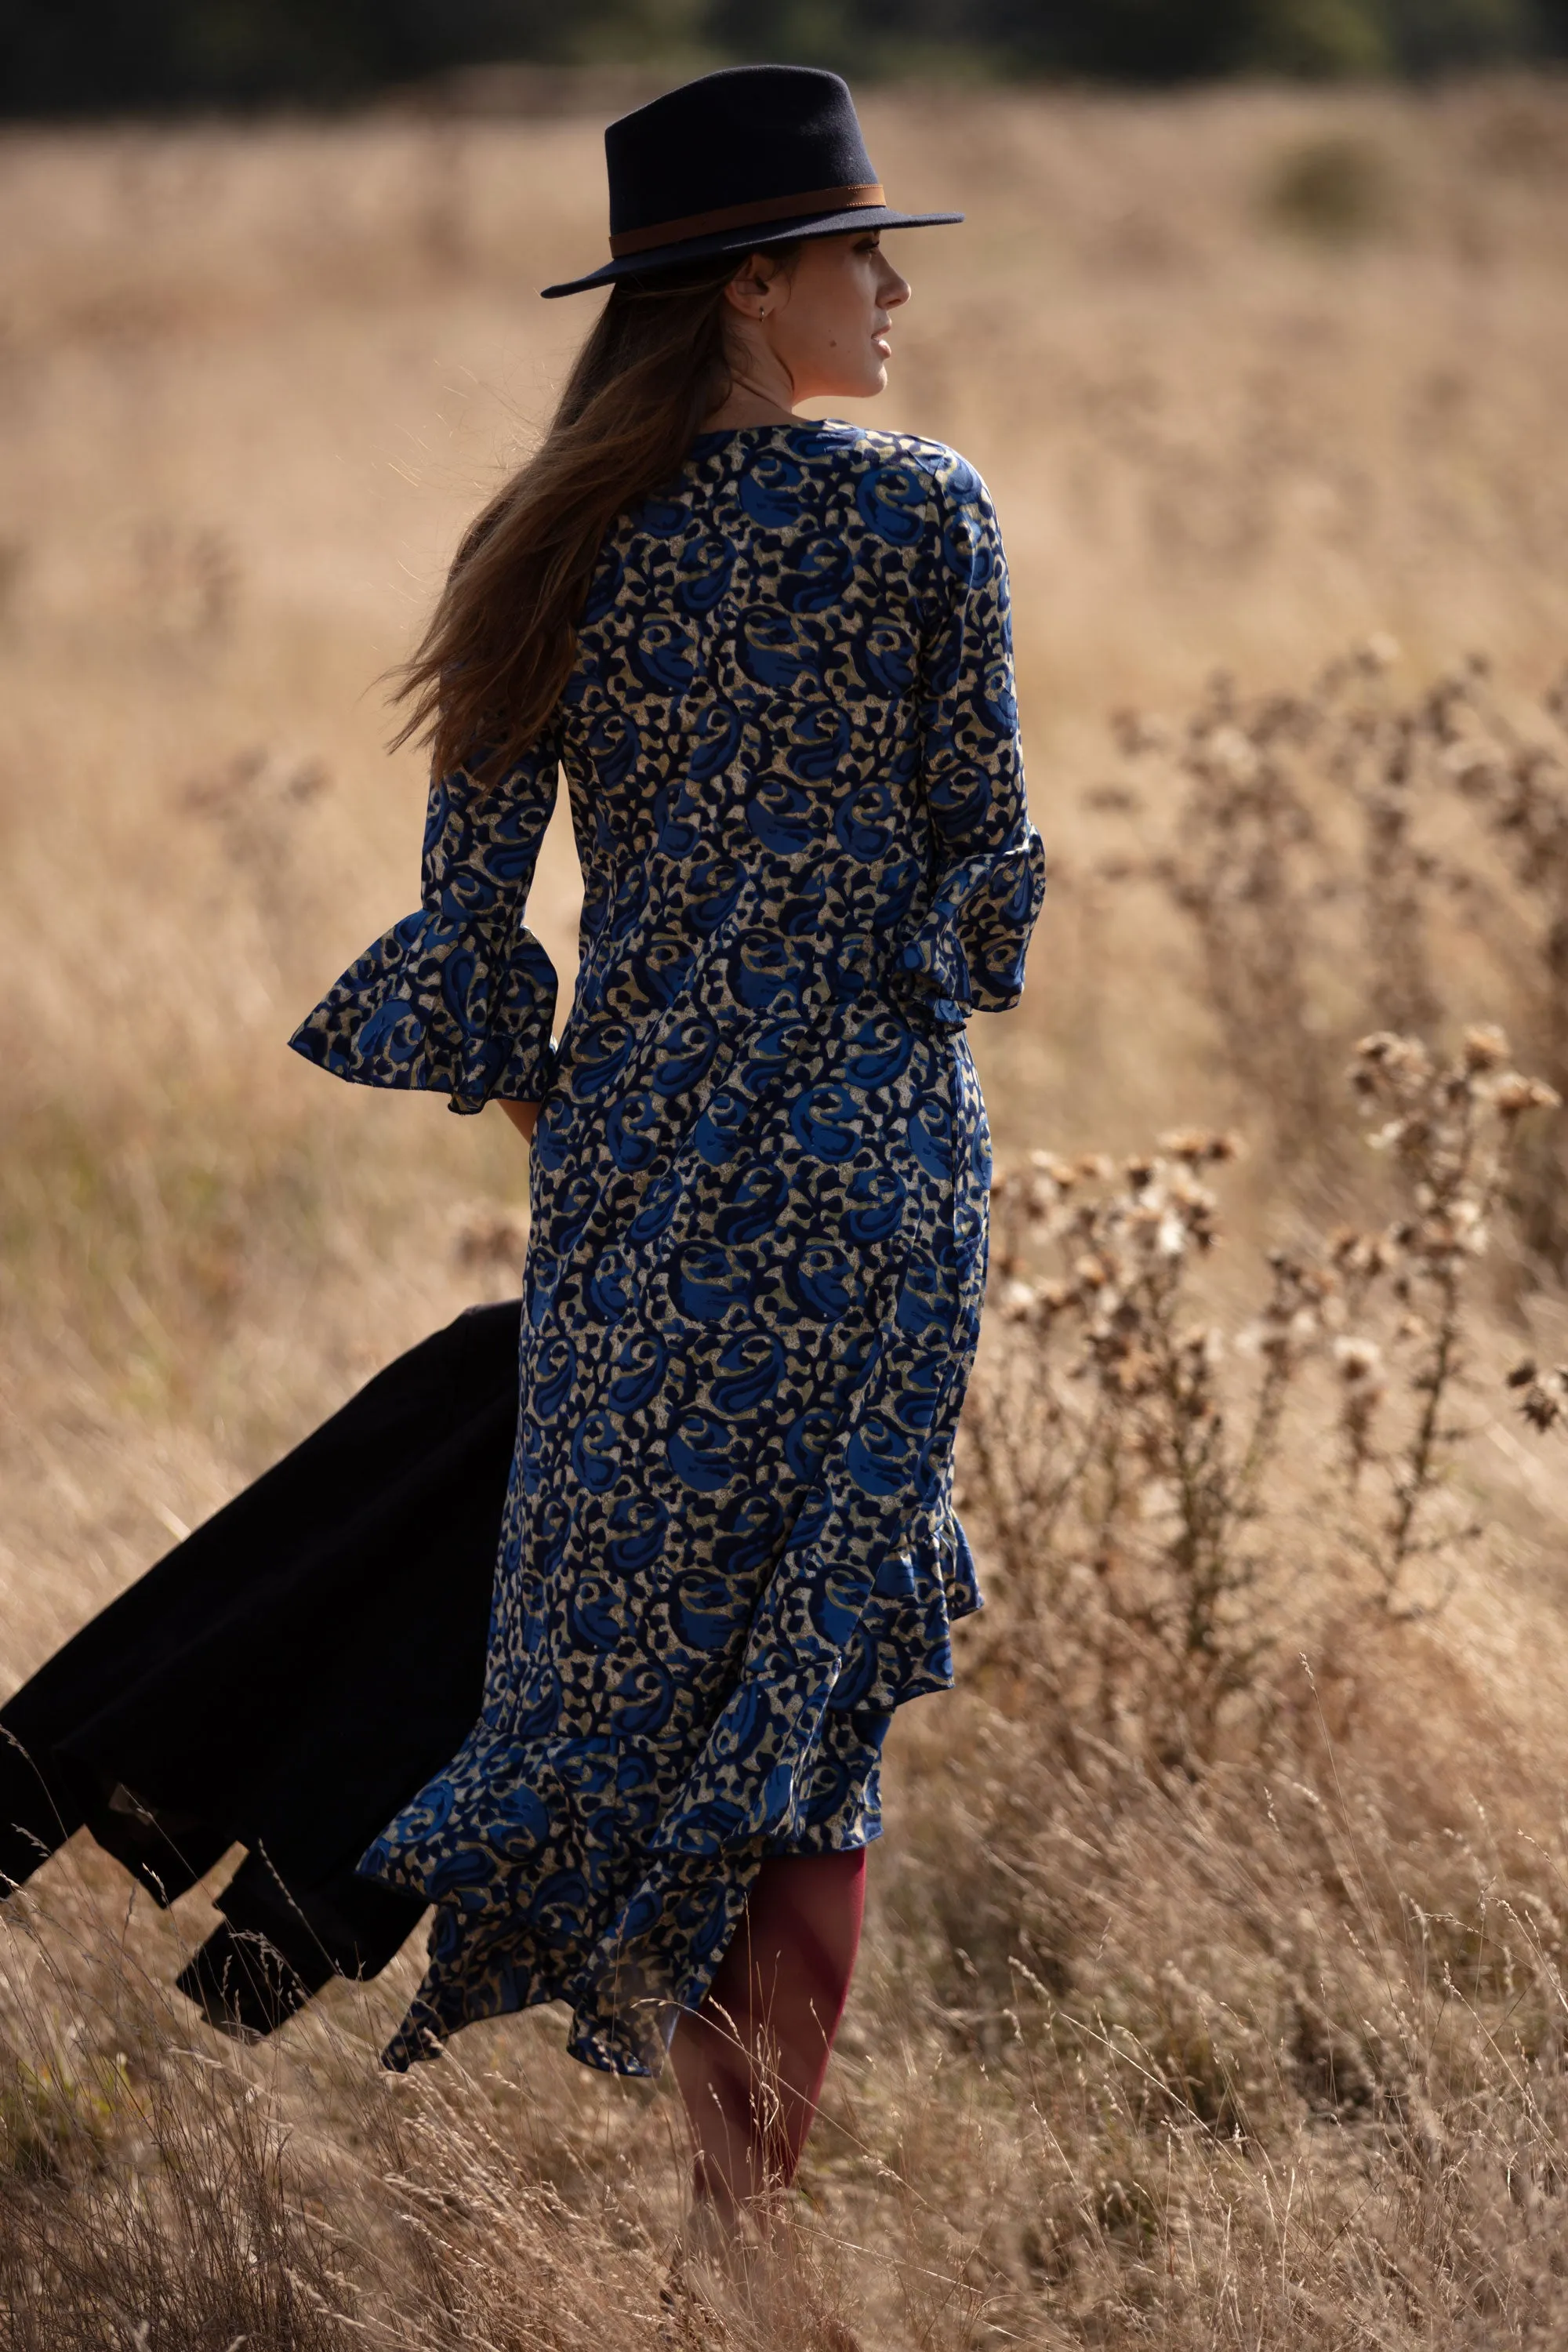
<point>758,1190</point>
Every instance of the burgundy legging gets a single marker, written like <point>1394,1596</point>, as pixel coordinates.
<point>750,2062</point>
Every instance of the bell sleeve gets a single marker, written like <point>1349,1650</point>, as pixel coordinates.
<point>962,950</point>
<point>459,997</point>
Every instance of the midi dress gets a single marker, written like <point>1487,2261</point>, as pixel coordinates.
<point>758,1190</point>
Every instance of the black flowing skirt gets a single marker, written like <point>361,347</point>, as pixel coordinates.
<point>286,1679</point>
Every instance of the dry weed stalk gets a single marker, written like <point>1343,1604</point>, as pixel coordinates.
<point>1099,1451</point>
<point>1344,850</point>
<point>1246,862</point>
<point>1452,1130</point>
<point>1126,1455</point>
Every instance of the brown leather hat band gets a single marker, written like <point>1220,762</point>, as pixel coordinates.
<point>768,209</point>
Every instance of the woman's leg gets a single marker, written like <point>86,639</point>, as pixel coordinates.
<point>750,2061</point>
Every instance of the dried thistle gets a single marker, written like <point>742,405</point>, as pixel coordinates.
<point>1544,1401</point>
<point>1125,1449</point>
<point>1102,1445</point>
<point>1452,1129</point>
<point>1314,856</point>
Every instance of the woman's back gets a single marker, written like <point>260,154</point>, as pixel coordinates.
<point>743,728</point>
<point>791,743</point>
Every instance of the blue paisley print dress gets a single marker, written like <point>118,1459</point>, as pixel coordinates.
<point>758,1191</point>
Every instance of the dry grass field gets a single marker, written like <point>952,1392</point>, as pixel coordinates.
<point>1214,1992</point>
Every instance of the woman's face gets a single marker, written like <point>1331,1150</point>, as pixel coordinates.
<point>825,316</point>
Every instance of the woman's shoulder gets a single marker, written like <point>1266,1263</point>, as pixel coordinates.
<point>875,487</point>
<point>833,446</point>
<point>872,448</point>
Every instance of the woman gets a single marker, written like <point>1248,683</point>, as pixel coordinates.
<point>772,658</point>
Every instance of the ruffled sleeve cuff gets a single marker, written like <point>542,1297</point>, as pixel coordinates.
<point>966,953</point>
<point>929,975</point>
<point>434,1005</point>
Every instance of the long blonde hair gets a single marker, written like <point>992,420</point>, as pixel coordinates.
<point>500,646</point>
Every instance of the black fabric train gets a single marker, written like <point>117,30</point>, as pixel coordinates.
<point>286,1679</point>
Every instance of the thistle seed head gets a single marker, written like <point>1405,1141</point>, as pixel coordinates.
<point>1512,1095</point>
<point>1542,1396</point>
<point>1359,1362</point>
<point>1485,1047</point>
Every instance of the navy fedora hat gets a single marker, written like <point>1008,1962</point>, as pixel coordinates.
<point>748,157</point>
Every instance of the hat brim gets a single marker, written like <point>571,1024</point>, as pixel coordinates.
<point>742,240</point>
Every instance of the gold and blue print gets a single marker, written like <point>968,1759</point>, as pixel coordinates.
<point>758,1191</point>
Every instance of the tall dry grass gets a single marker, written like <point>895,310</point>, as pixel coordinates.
<point>1214,1988</point>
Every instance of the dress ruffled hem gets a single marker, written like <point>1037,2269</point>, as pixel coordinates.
<point>624,2006</point>
<point>569,1886</point>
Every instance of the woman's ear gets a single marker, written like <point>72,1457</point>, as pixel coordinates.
<point>750,289</point>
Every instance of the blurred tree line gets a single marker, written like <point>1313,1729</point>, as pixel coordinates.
<point>89,56</point>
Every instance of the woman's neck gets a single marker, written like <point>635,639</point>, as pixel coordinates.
<point>743,407</point>
<point>760,394</point>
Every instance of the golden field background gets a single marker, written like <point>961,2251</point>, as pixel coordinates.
<point>1254,375</point>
